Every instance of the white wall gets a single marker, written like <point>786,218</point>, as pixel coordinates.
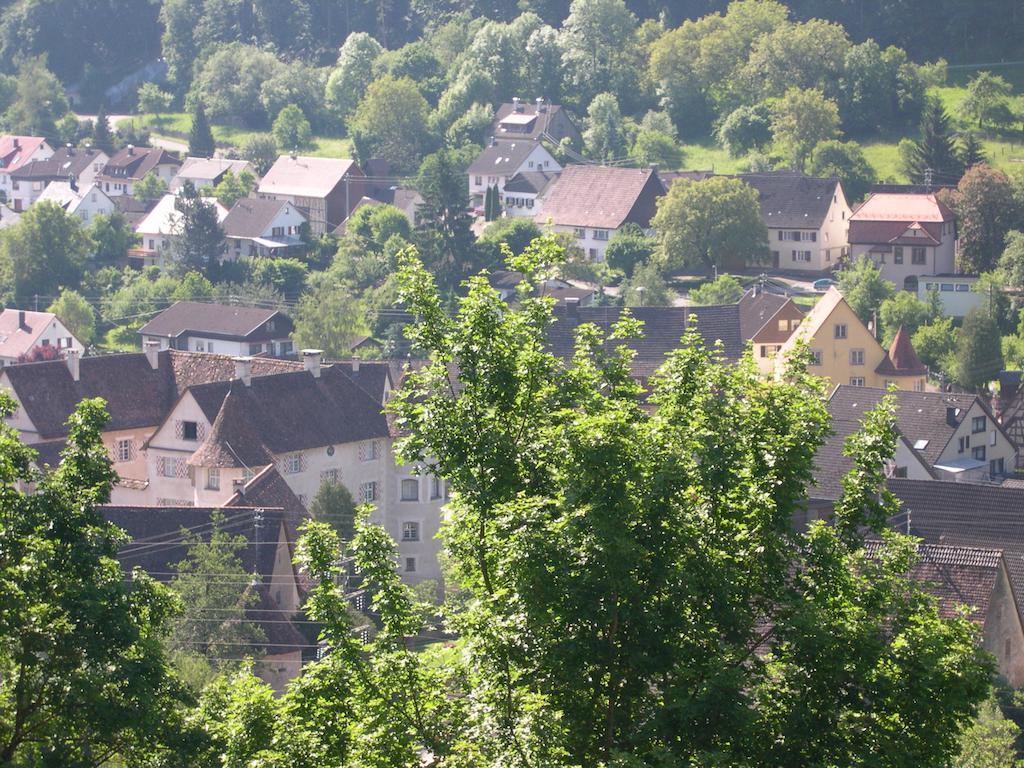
<point>593,247</point>
<point>538,160</point>
<point>956,292</point>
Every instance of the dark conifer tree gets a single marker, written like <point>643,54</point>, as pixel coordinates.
<point>200,139</point>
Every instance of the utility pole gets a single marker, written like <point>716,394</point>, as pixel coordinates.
<point>928,179</point>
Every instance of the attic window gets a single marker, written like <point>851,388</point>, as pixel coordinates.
<point>920,445</point>
<point>189,430</point>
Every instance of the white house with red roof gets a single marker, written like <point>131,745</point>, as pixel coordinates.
<point>908,235</point>
<point>15,152</point>
<point>21,330</point>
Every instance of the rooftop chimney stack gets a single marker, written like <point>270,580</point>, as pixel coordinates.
<point>311,358</point>
<point>517,105</point>
<point>572,306</point>
<point>243,370</point>
<point>541,106</point>
<point>72,357</point>
<point>71,148</point>
<point>131,150</point>
<point>355,365</point>
<point>951,413</point>
<point>152,349</point>
<point>16,142</point>
<point>21,320</point>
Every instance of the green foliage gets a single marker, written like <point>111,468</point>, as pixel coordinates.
<point>111,236</point>
<point>328,317</point>
<point>987,99</point>
<point>291,129</point>
<point>604,134</point>
<point>84,678</point>
<point>286,276</point>
<point>802,119</point>
<point>391,121</point>
<point>979,353</point>
<point>657,148</point>
<point>352,75</point>
<point>38,102</point>
<point>334,505</point>
<point>990,741</point>
<point>198,242</point>
<point>711,223</point>
<point>444,237</point>
<point>864,288</point>
<point>151,98</point>
<point>76,313</point>
<point>902,308</point>
<point>228,84</point>
<point>935,344</point>
<point>628,247</point>
<point>646,286</point>
<point>986,210</point>
<point>200,137</point>
<point>933,155</point>
<point>745,129</point>
<point>231,188</point>
<point>45,250</point>
<point>846,162</point>
<point>261,151</point>
<point>724,289</point>
<point>150,187</point>
<point>516,232</point>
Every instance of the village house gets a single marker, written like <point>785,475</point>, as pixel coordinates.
<point>70,165</point>
<point>15,152</point>
<point>807,218</point>
<point>257,227</point>
<point>139,389</point>
<point>220,328</point>
<point>845,351</point>
<point>130,165</point>
<point>956,292</point>
<point>524,192</point>
<point>593,202</point>
<point>983,517</point>
<point>84,201</point>
<point>505,283</point>
<point>159,229</point>
<point>500,161</point>
<point>326,190</point>
<point>520,119</point>
<point>265,514</point>
<point>21,331</point>
<point>909,236</point>
<point>767,320</point>
<point>207,171</point>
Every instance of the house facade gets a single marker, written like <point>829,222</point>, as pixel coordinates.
<point>86,202</point>
<point>75,165</point>
<point>807,219</point>
<point>16,152</point>
<point>220,328</point>
<point>159,229</point>
<point>326,190</point>
<point>522,119</point>
<point>131,164</point>
<point>956,292</point>
<point>592,203</point>
<point>844,351</point>
<point>523,193</point>
<point>207,171</point>
<point>22,330</point>
<point>909,236</point>
<point>256,227</point>
<point>503,159</point>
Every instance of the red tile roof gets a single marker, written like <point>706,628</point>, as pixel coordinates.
<point>15,151</point>
<point>902,360</point>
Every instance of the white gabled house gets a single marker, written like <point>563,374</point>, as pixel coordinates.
<point>502,159</point>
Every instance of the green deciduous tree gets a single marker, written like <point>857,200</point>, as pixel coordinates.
<point>352,75</point>
<point>604,134</point>
<point>83,678</point>
<point>628,247</point>
<point>990,741</point>
<point>979,353</point>
<point>76,313</point>
<point>515,232</point>
<point>846,162</point>
<point>391,122</point>
<point>746,128</point>
<point>261,151</point>
<point>986,210</point>
<point>987,99</point>
<point>903,308</point>
<point>711,223</point>
<point>152,99</point>
<point>597,57</point>
<point>334,505</point>
<point>328,317</point>
<point>864,288</point>
<point>200,137</point>
<point>935,344</point>
<point>646,286</point>
<point>38,103</point>
<point>725,289</point>
<point>112,235</point>
<point>150,187</point>
<point>800,120</point>
<point>46,249</point>
<point>443,235</point>
<point>292,130</point>
<point>656,148</point>
<point>232,188</point>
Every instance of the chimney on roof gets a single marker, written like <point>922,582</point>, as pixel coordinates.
<point>541,106</point>
<point>21,320</point>
<point>72,183</point>
<point>311,358</point>
<point>72,358</point>
<point>243,370</point>
<point>152,349</point>
<point>572,306</point>
<point>16,142</point>
<point>131,150</point>
<point>517,105</point>
<point>951,413</point>
<point>71,148</point>
<point>355,365</point>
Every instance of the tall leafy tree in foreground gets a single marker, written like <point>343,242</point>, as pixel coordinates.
<point>83,679</point>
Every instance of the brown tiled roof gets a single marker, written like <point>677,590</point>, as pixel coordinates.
<point>64,163</point>
<point>901,360</point>
<point>136,394</point>
<point>967,515</point>
<point>757,307</point>
<point>790,199</point>
<point>231,441</point>
<point>268,489</point>
<point>218,320</point>
<point>252,216</point>
<point>134,163</point>
<point>663,329</point>
<point>601,197</point>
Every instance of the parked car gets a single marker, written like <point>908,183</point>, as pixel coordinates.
<point>823,284</point>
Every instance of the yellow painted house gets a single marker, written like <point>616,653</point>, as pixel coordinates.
<point>846,352</point>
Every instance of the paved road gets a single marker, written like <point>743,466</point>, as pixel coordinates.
<point>169,144</point>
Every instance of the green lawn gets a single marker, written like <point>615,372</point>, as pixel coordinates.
<point>176,126</point>
<point>708,156</point>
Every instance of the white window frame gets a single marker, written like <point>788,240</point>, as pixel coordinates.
<point>123,450</point>
<point>409,482</point>
<point>410,530</point>
<point>213,479</point>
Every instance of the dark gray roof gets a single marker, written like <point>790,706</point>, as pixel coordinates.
<point>224,320</point>
<point>251,216</point>
<point>530,182</point>
<point>919,415</point>
<point>503,156</point>
<point>757,307</point>
<point>790,199</point>
<point>663,329</point>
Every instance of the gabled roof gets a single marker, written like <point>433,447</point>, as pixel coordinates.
<point>524,116</point>
<point>921,417</point>
<point>133,163</point>
<point>268,489</point>
<point>306,176</point>
<point>208,169</point>
<point>790,199</point>
<point>252,216</point>
<point>232,441</point>
<point>15,151</point>
<point>63,163</point>
<point>505,156</point>
<point>758,307</point>
<point>137,395</point>
<point>530,182</point>
<point>61,193</point>
<point>901,359</point>
<point>601,197</point>
<point>663,330</point>
<point>965,514</point>
<point>20,330</point>
<point>816,319</point>
<point>226,320</point>
<point>163,219</point>
<point>884,218</point>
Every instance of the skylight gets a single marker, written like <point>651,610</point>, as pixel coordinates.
<point>920,445</point>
